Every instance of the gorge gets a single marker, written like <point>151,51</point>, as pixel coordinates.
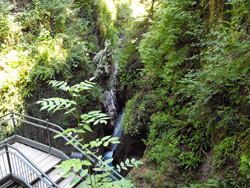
<point>180,69</point>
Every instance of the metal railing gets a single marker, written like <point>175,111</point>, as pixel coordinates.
<point>43,132</point>
<point>14,163</point>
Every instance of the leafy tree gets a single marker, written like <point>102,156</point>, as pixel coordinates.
<point>74,166</point>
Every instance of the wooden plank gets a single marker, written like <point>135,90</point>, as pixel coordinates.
<point>41,159</point>
<point>49,163</point>
<point>38,156</point>
<point>26,150</point>
<point>42,147</point>
<point>55,174</point>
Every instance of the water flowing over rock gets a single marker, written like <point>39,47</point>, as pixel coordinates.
<point>109,95</point>
<point>109,102</point>
<point>117,133</point>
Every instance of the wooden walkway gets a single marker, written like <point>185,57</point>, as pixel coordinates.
<point>45,161</point>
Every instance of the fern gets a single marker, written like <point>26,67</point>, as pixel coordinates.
<point>74,166</point>
<point>55,104</point>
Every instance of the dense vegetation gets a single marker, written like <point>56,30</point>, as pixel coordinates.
<point>44,40</point>
<point>194,93</point>
<point>185,68</point>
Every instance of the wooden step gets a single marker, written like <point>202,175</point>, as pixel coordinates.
<point>56,176</point>
<point>45,161</point>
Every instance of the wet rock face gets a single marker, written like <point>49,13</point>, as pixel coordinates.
<point>109,102</point>
<point>130,147</point>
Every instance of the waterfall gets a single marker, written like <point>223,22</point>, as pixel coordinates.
<point>103,60</point>
<point>109,101</point>
<point>109,95</point>
<point>117,133</point>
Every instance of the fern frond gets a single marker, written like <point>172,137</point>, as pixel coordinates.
<point>56,104</point>
<point>94,117</point>
<point>61,85</point>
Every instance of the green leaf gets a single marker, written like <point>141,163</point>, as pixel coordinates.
<point>85,146</point>
<point>75,180</point>
<point>69,111</point>
<point>118,168</point>
<point>133,160</point>
<point>122,164</point>
<point>98,169</point>
<point>68,174</point>
<point>88,128</point>
<point>44,106</point>
<point>82,185</point>
<point>58,135</point>
<point>106,144</point>
<point>86,163</point>
<point>84,173</point>
<point>105,138</point>
<point>108,161</point>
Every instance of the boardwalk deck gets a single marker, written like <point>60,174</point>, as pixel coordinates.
<point>45,161</point>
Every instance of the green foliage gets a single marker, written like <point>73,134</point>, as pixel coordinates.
<point>4,26</point>
<point>123,16</point>
<point>209,183</point>
<point>245,165</point>
<point>53,15</point>
<point>224,152</point>
<point>163,150</point>
<point>76,166</point>
<point>105,21</point>
<point>128,163</point>
<point>56,104</point>
<point>161,50</point>
<point>199,75</point>
<point>43,40</point>
<point>137,113</point>
<point>190,160</point>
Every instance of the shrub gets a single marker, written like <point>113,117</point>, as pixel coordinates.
<point>224,152</point>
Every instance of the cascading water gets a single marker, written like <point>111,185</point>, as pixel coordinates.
<point>109,96</point>
<point>103,60</point>
<point>117,133</point>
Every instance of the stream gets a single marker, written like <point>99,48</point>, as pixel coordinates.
<point>117,133</point>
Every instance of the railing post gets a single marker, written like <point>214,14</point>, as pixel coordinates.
<point>13,121</point>
<point>8,158</point>
<point>48,135</point>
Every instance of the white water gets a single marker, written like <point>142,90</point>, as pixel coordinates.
<point>117,133</point>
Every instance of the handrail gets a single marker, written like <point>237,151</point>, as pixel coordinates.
<point>91,156</point>
<point>43,177</point>
<point>6,115</point>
